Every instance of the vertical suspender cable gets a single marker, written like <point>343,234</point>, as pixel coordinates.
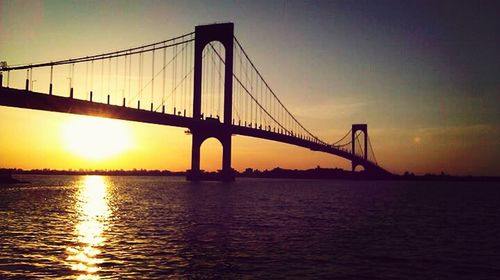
<point>183,97</point>
<point>256,100</point>
<point>185,53</point>
<point>69,75</point>
<point>219,78</point>
<point>204,98</point>
<point>86,76</point>
<point>263,97</point>
<point>72,77</point>
<point>174,77</point>
<point>222,79</point>
<point>212,82</point>
<point>164,73</point>
<point>31,79</point>
<point>216,80</point>
<point>251,93</point>
<point>186,80</point>
<point>109,76</point>
<point>185,76</point>
<point>140,75</point>
<point>129,75</point>
<point>124,76</point>
<point>51,77</point>
<point>117,61</point>
<point>246,95</point>
<point>190,81</point>
<point>91,76</point>
<point>152,77</point>
<point>102,78</point>
<point>241,92</point>
<point>259,95</point>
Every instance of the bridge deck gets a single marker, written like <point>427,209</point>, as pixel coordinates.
<point>40,101</point>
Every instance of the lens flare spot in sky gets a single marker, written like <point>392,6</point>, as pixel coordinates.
<point>95,138</point>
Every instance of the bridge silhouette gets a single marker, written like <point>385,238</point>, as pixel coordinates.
<point>203,81</point>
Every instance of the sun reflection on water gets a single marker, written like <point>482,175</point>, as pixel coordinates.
<point>93,212</point>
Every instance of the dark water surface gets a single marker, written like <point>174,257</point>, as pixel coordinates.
<point>91,227</point>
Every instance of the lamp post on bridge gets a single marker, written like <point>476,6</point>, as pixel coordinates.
<point>3,64</point>
<point>70,87</point>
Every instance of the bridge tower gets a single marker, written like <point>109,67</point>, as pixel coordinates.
<point>202,130</point>
<point>364,129</point>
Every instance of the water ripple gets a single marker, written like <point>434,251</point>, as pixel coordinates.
<point>71,227</point>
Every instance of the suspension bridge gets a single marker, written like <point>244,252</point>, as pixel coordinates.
<point>203,81</point>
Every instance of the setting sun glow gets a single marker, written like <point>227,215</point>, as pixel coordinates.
<point>95,138</point>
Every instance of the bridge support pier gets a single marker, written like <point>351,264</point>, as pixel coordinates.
<point>195,173</point>
<point>204,129</point>
<point>364,129</point>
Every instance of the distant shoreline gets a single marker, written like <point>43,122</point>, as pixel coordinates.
<point>278,173</point>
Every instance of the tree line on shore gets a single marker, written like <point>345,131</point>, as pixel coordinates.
<point>314,173</point>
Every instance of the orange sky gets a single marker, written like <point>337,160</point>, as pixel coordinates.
<point>331,65</point>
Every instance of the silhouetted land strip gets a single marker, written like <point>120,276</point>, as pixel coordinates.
<point>315,173</point>
<point>336,173</point>
<point>120,172</point>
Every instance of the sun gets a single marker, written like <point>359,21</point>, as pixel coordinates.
<point>96,138</point>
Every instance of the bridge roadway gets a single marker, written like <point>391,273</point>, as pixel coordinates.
<point>53,103</point>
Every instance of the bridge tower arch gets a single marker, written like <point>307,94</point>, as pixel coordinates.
<point>201,130</point>
<point>355,128</point>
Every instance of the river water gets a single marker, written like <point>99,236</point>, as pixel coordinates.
<point>93,227</point>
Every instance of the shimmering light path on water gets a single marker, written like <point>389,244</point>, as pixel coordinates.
<point>93,211</point>
<point>91,227</point>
